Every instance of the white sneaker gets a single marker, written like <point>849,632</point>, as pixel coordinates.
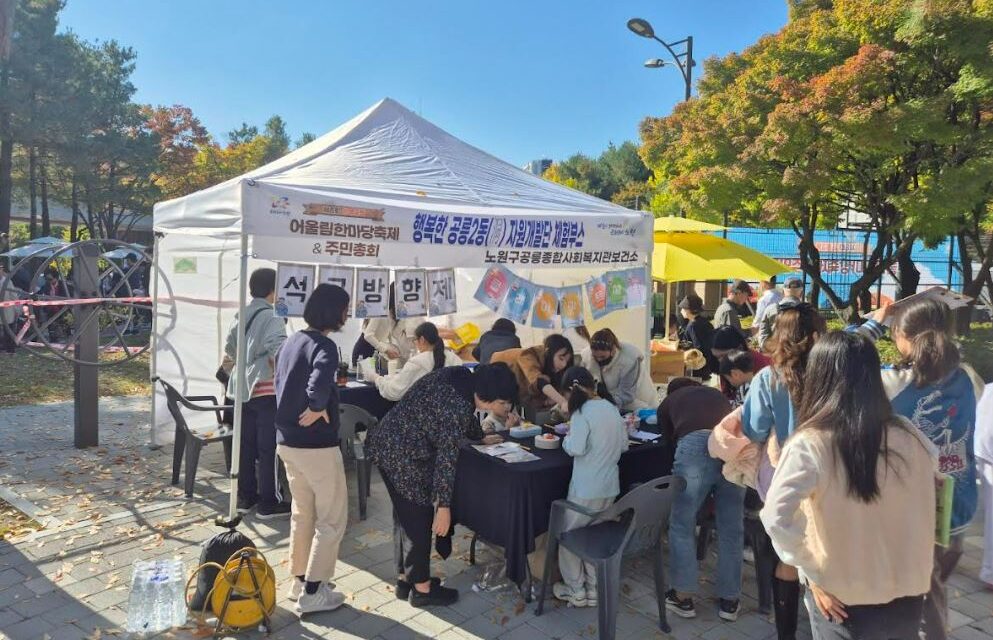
<point>296,589</point>
<point>564,592</point>
<point>326,599</point>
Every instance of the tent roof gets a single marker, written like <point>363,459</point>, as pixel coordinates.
<point>389,155</point>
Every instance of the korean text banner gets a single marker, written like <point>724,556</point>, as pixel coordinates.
<point>343,277</point>
<point>294,282</point>
<point>411,296</point>
<point>371,295</point>
<point>441,285</point>
<point>289,224</point>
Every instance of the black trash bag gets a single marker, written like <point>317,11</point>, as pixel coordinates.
<point>217,549</point>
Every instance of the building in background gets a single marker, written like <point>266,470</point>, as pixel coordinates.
<point>537,167</point>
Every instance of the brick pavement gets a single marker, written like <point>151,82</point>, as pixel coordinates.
<point>108,506</point>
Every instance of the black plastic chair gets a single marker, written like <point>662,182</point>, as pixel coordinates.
<point>632,525</point>
<point>353,420</point>
<point>189,441</point>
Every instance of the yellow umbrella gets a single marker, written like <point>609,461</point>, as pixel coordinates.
<point>679,257</point>
<point>670,224</point>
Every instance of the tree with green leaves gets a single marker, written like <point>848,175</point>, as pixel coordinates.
<point>618,174</point>
<point>875,106</point>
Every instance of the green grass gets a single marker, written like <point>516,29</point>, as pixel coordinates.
<point>29,379</point>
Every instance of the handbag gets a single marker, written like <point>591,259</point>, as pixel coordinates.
<point>222,374</point>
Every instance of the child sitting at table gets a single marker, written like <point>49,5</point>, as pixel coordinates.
<point>596,440</point>
<point>500,418</point>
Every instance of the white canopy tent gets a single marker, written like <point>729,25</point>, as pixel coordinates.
<point>413,196</point>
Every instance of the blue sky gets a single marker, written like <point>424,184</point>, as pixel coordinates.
<point>521,80</point>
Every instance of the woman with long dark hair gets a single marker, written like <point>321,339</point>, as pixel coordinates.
<point>852,501</point>
<point>938,394</point>
<point>431,355</point>
<point>539,372</point>
<point>768,418</point>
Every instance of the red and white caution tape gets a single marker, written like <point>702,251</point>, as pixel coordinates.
<point>73,302</point>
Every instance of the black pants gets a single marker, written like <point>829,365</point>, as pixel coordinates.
<point>415,534</point>
<point>7,337</point>
<point>896,620</point>
<point>257,470</point>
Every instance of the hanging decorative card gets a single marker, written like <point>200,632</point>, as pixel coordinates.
<point>412,296</point>
<point>494,286</point>
<point>343,277</point>
<point>546,307</point>
<point>517,304</point>
<point>637,287</point>
<point>441,285</point>
<point>294,282</point>
<point>571,306</point>
<point>371,295</point>
<point>596,293</point>
<point>617,290</point>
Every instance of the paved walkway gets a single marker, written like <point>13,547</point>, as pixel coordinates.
<point>108,506</point>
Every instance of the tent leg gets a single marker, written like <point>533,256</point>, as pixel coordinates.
<point>238,395</point>
<point>153,365</point>
<point>668,301</point>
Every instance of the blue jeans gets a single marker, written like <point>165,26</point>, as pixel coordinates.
<point>703,475</point>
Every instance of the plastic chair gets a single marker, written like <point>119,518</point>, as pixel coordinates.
<point>631,525</point>
<point>353,420</point>
<point>189,440</point>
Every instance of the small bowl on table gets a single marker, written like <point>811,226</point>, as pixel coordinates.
<point>562,429</point>
<point>548,441</point>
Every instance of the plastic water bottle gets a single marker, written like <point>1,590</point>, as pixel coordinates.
<point>158,600</point>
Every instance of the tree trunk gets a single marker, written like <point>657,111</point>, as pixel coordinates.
<point>815,295</point>
<point>46,221</point>
<point>33,191</point>
<point>910,276</point>
<point>6,154</point>
<point>74,229</point>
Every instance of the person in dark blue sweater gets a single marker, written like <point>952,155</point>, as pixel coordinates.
<point>307,422</point>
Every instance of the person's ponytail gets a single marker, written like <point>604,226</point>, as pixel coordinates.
<point>926,325</point>
<point>429,332</point>
<point>933,355</point>
<point>581,386</point>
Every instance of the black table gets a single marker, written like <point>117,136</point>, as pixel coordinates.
<point>508,504</point>
<point>367,396</point>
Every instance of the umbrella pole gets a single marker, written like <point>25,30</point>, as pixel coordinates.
<point>668,301</point>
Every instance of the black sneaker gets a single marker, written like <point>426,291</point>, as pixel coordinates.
<point>729,609</point>
<point>404,588</point>
<point>246,504</point>
<point>681,607</point>
<point>438,596</point>
<point>278,510</point>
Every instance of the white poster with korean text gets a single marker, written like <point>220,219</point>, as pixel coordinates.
<point>343,277</point>
<point>372,293</point>
<point>441,286</point>
<point>411,294</point>
<point>294,282</point>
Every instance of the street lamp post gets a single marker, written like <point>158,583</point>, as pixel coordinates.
<point>684,61</point>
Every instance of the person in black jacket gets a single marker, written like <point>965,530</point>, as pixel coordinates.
<point>416,447</point>
<point>700,332</point>
<point>307,423</point>
<point>501,337</point>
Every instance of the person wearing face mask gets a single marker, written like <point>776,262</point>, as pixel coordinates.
<point>431,355</point>
<point>620,368</point>
<point>539,372</point>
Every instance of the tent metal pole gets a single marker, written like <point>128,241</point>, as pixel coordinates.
<point>668,301</point>
<point>649,289</point>
<point>153,363</point>
<point>239,398</point>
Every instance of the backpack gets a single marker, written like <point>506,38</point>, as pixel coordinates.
<point>217,549</point>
